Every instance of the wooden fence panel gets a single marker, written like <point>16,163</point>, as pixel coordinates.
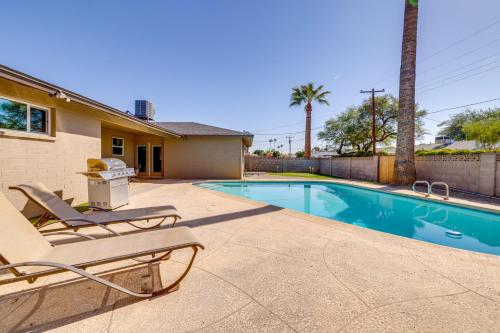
<point>386,169</point>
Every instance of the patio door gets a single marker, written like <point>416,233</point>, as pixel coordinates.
<point>156,160</point>
<point>142,160</point>
<point>149,159</point>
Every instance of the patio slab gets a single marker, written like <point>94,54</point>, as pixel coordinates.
<point>267,269</point>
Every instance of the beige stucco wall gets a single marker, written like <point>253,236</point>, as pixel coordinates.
<point>106,145</point>
<point>56,161</point>
<point>201,157</point>
<point>76,132</point>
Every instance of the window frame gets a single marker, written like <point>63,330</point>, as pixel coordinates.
<point>28,117</point>
<point>114,146</point>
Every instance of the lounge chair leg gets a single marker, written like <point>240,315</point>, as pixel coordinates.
<point>42,220</point>
<point>147,284</point>
<point>174,286</point>
<point>155,225</point>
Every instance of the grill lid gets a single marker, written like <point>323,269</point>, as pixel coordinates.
<point>105,164</point>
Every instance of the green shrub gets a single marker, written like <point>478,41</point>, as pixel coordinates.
<point>448,151</point>
<point>259,152</point>
<point>358,154</point>
<point>383,153</point>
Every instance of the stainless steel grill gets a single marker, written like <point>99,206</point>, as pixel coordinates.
<point>108,182</point>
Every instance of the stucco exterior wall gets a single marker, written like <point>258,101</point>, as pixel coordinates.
<point>107,135</point>
<point>203,157</point>
<point>56,159</point>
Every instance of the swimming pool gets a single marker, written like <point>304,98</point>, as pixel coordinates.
<point>420,219</point>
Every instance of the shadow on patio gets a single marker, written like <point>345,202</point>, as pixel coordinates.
<point>62,303</point>
<point>229,216</point>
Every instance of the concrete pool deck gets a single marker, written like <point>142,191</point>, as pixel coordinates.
<point>274,270</point>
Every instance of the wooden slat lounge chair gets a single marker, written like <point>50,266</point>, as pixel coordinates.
<point>58,209</point>
<point>28,255</point>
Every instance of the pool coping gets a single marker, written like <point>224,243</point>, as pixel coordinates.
<point>331,223</point>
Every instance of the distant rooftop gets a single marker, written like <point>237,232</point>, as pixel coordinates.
<point>468,144</point>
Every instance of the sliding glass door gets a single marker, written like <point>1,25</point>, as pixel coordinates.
<point>149,159</point>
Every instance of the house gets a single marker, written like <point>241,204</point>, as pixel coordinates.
<point>324,154</point>
<point>441,142</point>
<point>47,133</point>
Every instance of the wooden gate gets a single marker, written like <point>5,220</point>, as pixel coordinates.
<point>386,169</point>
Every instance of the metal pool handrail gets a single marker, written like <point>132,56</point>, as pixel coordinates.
<point>422,182</point>
<point>447,196</point>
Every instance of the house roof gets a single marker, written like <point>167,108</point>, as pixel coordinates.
<point>177,129</point>
<point>192,128</point>
<point>429,146</point>
<point>197,129</point>
<point>52,89</point>
<point>466,144</point>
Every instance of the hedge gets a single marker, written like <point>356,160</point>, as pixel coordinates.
<point>448,151</point>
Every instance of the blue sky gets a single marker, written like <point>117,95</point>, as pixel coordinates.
<point>233,63</point>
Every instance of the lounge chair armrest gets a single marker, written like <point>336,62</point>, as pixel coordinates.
<point>76,234</point>
<point>75,270</point>
<point>91,222</point>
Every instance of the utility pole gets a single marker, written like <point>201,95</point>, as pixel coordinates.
<point>289,145</point>
<point>374,130</point>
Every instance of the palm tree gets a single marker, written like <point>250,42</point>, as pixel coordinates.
<point>306,94</point>
<point>404,165</point>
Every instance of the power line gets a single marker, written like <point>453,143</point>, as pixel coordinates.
<point>433,82</point>
<point>464,106</point>
<point>461,67</point>
<point>432,112</point>
<point>461,79</point>
<point>444,63</point>
<point>298,132</point>
<point>428,70</point>
<point>446,48</point>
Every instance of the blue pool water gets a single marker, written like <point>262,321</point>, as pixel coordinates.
<point>425,220</point>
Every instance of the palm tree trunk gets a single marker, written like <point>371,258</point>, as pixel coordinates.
<point>307,145</point>
<point>404,165</point>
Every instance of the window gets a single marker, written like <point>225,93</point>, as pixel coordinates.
<point>24,117</point>
<point>118,146</point>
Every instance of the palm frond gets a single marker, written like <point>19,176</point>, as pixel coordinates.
<point>307,93</point>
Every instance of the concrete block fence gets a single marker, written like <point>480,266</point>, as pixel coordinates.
<point>255,163</point>
<point>479,173</point>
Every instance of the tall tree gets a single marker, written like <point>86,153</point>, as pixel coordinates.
<point>485,131</point>
<point>352,128</point>
<point>306,94</point>
<point>404,166</point>
<point>453,127</point>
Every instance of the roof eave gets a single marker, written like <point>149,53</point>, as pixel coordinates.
<point>25,79</point>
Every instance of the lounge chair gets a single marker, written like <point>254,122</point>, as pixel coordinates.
<point>28,255</point>
<point>57,209</point>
